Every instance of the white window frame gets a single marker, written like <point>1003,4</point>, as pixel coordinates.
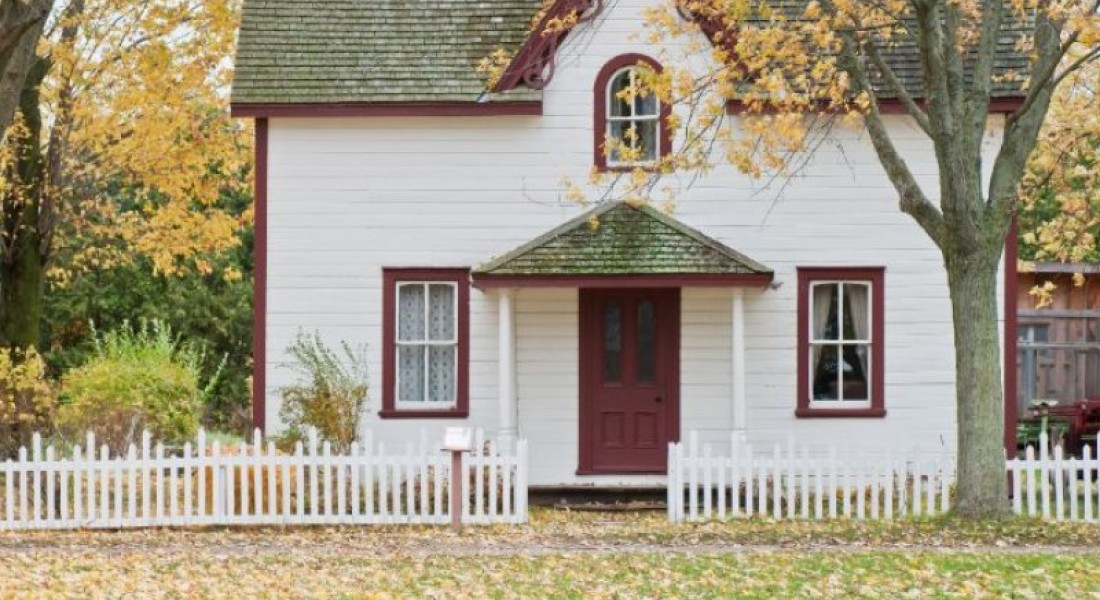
<point>610,119</point>
<point>840,342</point>
<point>426,403</point>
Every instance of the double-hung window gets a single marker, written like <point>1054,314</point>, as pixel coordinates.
<point>426,336</point>
<point>841,353</point>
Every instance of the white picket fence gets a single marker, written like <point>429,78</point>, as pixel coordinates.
<point>1052,485</point>
<point>798,482</point>
<point>793,481</point>
<point>254,484</point>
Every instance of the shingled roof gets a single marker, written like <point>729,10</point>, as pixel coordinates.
<point>345,51</point>
<point>619,238</point>
<point>295,52</point>
<point>904,56</point>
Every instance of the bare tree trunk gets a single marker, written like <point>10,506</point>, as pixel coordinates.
<point>22,270</point>
<point>972,280</point>
<point>21,25</point>
<point>22,284</point>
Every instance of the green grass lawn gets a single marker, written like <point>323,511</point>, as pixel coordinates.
<point>566,555</point>
<point>802,574</point>
<point>583,575</point>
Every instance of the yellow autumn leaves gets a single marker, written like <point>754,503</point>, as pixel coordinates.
<point>136,105</point>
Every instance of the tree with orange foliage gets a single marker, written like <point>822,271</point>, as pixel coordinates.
<point>798,67</point>
<point>1060,195</point>
<point>121,98</point>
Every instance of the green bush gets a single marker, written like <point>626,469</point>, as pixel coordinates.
<point>136,380</point>
<point>331,393</point>
<point>211,311</point>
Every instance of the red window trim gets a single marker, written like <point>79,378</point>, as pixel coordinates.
<point>876,277</point>
<point>390,278</point>
<point>599,128</point>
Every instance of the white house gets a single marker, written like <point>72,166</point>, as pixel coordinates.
<point>400,206</point>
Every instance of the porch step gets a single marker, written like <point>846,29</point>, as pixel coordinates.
<point>599,499</point>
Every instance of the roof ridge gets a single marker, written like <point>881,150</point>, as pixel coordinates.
<point>547,237</point>
<point>700,237</point>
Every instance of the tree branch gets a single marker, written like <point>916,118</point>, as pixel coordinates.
<point>977,110</point>
<point>1077,64</point>
<point>955,73</point>
<point>934,65</point>
<point>1022,127</point>
<point>911,198</point>
<point>892,80</point>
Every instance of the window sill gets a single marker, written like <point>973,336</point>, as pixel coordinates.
<point>647,167</point>
<point>450,413</point>
<point>840,413</point>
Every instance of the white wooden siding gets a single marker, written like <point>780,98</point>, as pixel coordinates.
<point>350,196</point>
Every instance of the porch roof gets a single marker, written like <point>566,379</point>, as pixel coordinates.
<point>621,244</point>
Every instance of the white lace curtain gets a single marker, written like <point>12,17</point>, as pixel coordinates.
<point>426,344</point>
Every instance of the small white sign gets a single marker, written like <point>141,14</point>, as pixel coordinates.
<point>458,439</point>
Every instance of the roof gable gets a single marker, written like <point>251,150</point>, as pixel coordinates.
<point>619,238</point>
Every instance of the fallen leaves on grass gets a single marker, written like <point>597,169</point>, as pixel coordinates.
<point>565,555</point>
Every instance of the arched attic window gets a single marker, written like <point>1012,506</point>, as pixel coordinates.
<point>641,124</point>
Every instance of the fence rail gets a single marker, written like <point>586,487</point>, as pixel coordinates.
<point>255,484</point>
<point>793,482</point>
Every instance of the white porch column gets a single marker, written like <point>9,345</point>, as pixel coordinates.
<point>506,369</point>
<point>737,371</point>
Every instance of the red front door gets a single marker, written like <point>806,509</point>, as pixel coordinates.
<point>630,379</point>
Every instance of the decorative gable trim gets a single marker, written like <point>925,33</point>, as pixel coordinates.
<point>534,64</point>
<point>713,25</point>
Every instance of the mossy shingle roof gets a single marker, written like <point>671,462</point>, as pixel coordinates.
<point>623,239</point>
<point>1010,65</point>
<point>376,51</point>
<point>344,51</point>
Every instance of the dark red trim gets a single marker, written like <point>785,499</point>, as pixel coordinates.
<point>891,106</point>
<point>259,279</point>
<point>390,278</point>
<point>713,22</point>
<point>877,277</point>
<point>624,281</point>
<point>390,109</point>
<point>589,356</point>
<point>840,413</point>
<point>599,109</point>
<point>533,66</point>
<point>1011,299</point>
